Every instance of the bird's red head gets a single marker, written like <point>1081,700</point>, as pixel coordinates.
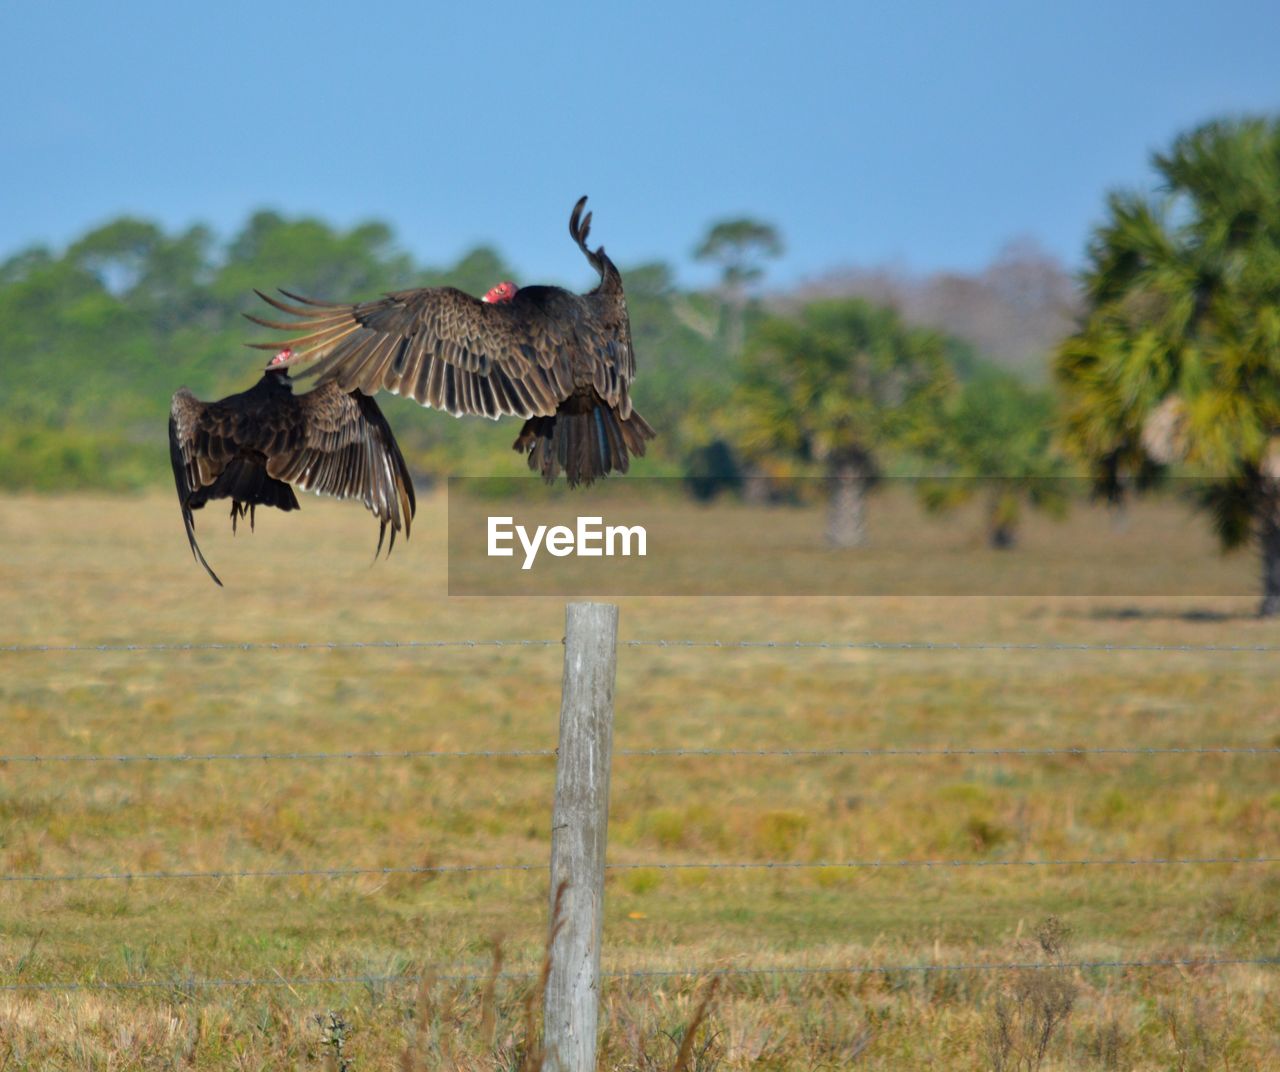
<point>503,292</point>
<point>282,356</point>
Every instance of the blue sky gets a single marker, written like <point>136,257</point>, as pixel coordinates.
<point>922,134</point>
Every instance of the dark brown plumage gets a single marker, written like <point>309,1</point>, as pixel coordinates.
<point>250,447</point>
<point>561,360</point>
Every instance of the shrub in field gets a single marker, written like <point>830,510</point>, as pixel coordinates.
<point>1031,1012</point>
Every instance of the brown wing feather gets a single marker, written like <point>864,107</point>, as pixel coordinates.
<point>605,335</point>
<point>436,345</point>
<point>219,451</point>
<point>450,351</point>
<point>251,446</point>
<point>184,415</point>
<point>349,451</point>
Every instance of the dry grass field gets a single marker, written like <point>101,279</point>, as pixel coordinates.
<point>88,570</point>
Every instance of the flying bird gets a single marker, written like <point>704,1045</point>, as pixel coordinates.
<point>252,446</point>
<point>562,361</point>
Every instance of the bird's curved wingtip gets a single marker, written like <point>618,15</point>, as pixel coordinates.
<point>189,521</point>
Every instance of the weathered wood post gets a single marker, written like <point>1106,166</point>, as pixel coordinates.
<point>579,826</point>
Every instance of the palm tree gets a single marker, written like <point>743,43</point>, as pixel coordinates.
<point>838,386</point>
<point>1178,358</point>
<point>996,441</point>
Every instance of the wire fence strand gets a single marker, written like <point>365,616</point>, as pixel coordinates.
<point>183,984</point>
<point>657,865</point>
<point>255,645</point>
<point>728,645</point>
<point>877,753</point>
<point>802,865</point>
<point>943,646</point>
<point>214,757</point>
<point>542,753</point>
<point>274,872</point>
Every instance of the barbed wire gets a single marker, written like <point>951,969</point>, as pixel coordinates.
<point>868,969</point>
<point>255,645</point>
<point>932,645</point>
<point>539,753</point>
<point>210,757</point>
<point>798,865</point>
<point>702,865</point>
<point>193,983</point>
<point>775,645</point>
<point>876,753</point>
<point>275,872</point>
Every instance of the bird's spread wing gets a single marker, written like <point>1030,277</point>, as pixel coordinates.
<point>252,446</point>
<point>348,451</point>
<point>450,351</point>
<point>201,441</point>
<point>184,417</point>
<point>219,450</point>
<point>605,334</point>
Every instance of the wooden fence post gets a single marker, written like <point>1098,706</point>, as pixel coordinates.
<point>579,827</point>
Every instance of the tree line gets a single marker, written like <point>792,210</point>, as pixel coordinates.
<point>96,339</point>
<point>1164,359</point>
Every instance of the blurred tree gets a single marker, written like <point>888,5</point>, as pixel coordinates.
<point>838,386</point>
<point>164,279</point>
<point>996,442</point>
<point>310,257</point>
<point>117,254</point>
<point>21,265</point>
<point>1178,359</point>
<point>96,340</point>
<point>476,272</point>
<point>712,470</point>
<point>1014,311</point>
<point>683,372</point>
<point>738,246</point>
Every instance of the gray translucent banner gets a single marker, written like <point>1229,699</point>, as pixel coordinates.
<point>950,537</point>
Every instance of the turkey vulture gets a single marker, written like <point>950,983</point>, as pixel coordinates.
<point>561,360</point>
<point>250,447</point>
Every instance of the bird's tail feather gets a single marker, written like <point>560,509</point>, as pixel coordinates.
<point>247,485</point>
<point>584,445</point>
<point>256,488</point>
